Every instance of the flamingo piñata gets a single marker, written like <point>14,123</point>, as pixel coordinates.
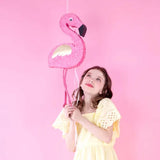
<point>69,55</point>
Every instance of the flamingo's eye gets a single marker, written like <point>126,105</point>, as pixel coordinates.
<point>71,19</point>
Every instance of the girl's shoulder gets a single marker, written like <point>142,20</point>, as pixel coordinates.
<point>104,101</point>
<point>105,104</point>
<point>108,115</point>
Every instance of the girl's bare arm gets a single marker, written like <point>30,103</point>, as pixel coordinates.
<point>103,134</point>
<point>70,138</point>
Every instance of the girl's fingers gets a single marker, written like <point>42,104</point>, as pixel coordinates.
<point>68,115</point>
<point>70,112</point>
<point>70,109</point>
<point>69,106</point>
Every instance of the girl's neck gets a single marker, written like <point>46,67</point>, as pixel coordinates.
<point>87,99</point>
<point>88,102</point>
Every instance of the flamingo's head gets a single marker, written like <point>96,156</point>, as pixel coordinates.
<point>72,21</point>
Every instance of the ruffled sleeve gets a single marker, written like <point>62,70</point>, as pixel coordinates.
<point>62,123</point>
<point>108,115</point>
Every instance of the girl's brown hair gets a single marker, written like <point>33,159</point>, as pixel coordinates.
<point>106,92</point>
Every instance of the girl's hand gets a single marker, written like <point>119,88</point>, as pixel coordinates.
<point>76,115</point>
<point>68,110</point>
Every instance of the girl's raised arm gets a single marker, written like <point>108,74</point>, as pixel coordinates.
<point>70,138</point>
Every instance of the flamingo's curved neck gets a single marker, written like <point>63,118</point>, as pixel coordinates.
<point>77,39</point>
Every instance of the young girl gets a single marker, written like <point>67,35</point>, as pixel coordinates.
<point>95,118</point>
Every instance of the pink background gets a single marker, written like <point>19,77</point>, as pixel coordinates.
<point>122,36</point>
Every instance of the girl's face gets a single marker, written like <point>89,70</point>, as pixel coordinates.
<point>93,82</point>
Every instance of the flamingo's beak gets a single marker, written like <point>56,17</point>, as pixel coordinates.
<point>82,30</point>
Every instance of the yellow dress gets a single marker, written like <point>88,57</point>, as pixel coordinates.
<point>88,146</point>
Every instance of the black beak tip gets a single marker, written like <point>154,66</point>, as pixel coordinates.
<point>82,30</point>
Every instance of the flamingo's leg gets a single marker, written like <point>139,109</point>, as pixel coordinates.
<point>65,99</point>
<point>66,90</point>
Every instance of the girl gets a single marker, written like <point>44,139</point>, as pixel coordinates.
<point>95,119</point>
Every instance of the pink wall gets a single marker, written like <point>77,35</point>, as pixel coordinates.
<point>122,36</point>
